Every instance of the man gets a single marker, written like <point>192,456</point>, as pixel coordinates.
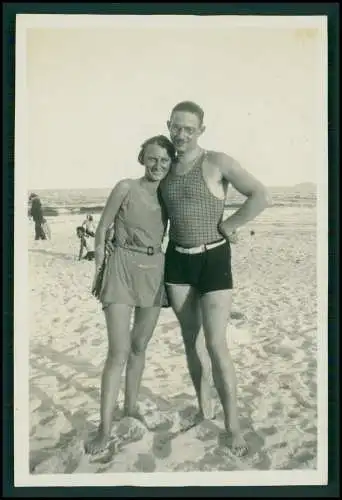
<point>198,260</point>
<point>36,213</point>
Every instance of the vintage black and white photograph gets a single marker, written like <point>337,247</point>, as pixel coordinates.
<point>171,255</point>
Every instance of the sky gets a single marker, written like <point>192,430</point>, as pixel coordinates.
<point>94,93</point>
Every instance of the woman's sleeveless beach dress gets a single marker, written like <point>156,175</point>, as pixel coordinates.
<point>131,277</point>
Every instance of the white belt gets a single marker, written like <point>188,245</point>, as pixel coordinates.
<point>200,249</point>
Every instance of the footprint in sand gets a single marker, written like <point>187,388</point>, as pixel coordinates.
<point>237,315</point>
<point>189,417</point>
<point>159,426</point>
<point>203,433</point>
<point>255,442</point>
<point>96,341</point>
<point>50,465</point>
<point>82,328</point>
<point>261,461</point>
<point>300,459</point>
<point>145,463</point>
<point>34,405</point>
<point>130,429</point>
<point>268,431</point>
<point>162,447</point>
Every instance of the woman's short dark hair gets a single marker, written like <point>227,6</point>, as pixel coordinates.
<point>80,229</point>
<point>158,140</point>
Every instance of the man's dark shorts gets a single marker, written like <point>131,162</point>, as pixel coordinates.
<point>207,272</point>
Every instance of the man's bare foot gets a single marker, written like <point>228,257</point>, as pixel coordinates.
<point>239,445</point>
<point>98,444</point>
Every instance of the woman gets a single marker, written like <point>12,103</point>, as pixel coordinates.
<point>133,279</point>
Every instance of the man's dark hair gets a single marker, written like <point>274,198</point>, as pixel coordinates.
<point>158,140</point>
<point>190,107</point>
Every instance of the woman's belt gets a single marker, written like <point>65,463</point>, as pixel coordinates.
<point>140,249</point>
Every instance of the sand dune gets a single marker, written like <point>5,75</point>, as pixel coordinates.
<point>273,345</point>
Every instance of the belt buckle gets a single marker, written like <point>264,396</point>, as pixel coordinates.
<point>150,251</point>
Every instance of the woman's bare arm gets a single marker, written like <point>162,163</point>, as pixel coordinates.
<point>109,213</point>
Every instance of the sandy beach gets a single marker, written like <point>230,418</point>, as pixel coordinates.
<point>273,346</point>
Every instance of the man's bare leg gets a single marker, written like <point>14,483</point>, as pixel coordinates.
<point>117,319</point>
<point>216,308</point>
<point>185,304</point>
<point>145,320</point>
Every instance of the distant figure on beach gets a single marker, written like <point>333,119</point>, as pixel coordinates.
<point>89,226</point>
<point>85,245</point>
<point>252,232</point>
<point>36,212</point>
<point>133,279</point>
<point>198,272</point>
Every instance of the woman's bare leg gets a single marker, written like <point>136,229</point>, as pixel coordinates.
<point>117,319</point>
<point>144,324</point>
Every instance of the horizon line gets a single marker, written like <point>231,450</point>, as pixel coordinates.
<point>110,187</point>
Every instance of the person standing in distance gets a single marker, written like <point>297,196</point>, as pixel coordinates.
<point>198,273</point>
<point>36,212</point>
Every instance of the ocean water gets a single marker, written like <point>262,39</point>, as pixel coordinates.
<point>92,200</point>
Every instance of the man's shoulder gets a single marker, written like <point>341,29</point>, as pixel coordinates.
<point>219,159</point>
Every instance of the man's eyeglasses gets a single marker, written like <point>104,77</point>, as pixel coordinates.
<point>176,129</point>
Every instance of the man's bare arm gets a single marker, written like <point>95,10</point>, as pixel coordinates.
<point>258,197</point>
